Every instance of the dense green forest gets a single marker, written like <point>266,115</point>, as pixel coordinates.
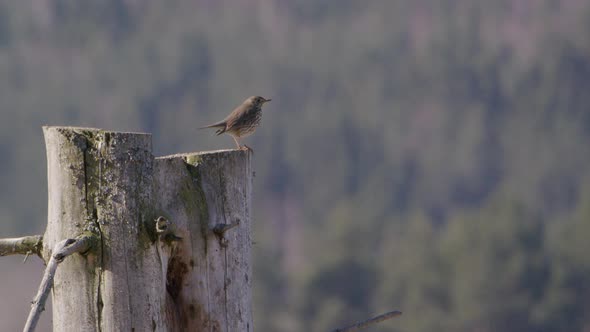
<point>430,156</point>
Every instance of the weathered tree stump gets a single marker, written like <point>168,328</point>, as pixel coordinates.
<point>173,234</point>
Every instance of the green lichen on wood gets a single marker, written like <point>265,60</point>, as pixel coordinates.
<point>193,195</point>
<point>193,159</point>
<point>89,175</point>
<point>102,169</point>
<point>93,242</point>
<point>92,170</point>
<point>147,232</point>
<point>34,243</point>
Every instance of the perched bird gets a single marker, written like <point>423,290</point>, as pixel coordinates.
<point>242,121</point>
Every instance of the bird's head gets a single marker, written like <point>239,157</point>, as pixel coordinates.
<point>258,101</point>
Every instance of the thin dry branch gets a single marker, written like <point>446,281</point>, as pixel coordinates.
<point>61,250</point>
<point>368,322</point>
<point>21,245</point>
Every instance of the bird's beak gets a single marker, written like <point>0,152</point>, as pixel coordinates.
<point>267,100</point>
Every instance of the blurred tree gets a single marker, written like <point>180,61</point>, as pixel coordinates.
<point>432,153</point>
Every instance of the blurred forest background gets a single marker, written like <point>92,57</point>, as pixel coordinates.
<point>430,156</point>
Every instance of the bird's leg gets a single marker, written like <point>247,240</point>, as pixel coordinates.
<point>237,143</point>
<point>242,147</point>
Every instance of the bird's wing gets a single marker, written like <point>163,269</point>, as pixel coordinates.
<point>236,115</point>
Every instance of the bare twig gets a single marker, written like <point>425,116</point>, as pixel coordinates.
<point>61,250</point>
<point>22,245</point>
<point>368,322</point>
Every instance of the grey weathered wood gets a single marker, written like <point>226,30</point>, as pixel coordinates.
<point>209,274</point>
<point>109,184</point>
<point>76,284</point>
<point>102,182</point>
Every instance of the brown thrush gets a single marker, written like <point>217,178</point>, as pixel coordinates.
<point>242,121</point>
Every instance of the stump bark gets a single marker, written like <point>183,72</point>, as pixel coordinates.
<point>173,248</point>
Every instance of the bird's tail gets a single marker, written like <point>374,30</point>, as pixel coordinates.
<point>220,125</point>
